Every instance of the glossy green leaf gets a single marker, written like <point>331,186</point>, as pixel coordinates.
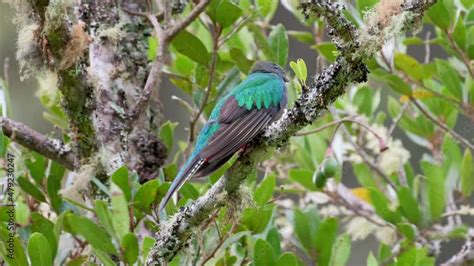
<point>39,250</point>
<point>397,84</point>
<point>261,41</point>
<point>267,8</point>
<point>14,256</point>
<point>450,78</point>
<point>104,216</point>
<point>288,259</point>
<point>467,174</point>
<point>167,134</point>
<point>120,213</point>
<point>238,57</point>
<point>328,50</point>
<point>263,253</point>
<point>224,12</point>
<point>408,230</point>
<point>301,36</point>
<point>371,260</point>
<point>146,195</point>
<point>36,166</point>
<point>191,46</point>
<point>30,188</point>
<point>324,239</point>
<point>409,66</point>
<point>381,205</point>
<point>278,40</point>
<point>120,178</point>
<point>341,251</point>
<point>55,177</point>
<point>256,219</point>
<point>409,205</point>
<point>273,237</point>
<point>130,248</point>
<point>91,232</point>
<point>188,191</point>
<point>147,244</point>
<point>305,225</point>
<point>264,191</point>
<point>439,14</point>
<point>436,189</point>
<point>44,226</point>
<point>304,177</point>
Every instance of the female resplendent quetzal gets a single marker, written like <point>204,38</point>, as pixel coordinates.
<point>235,120</point>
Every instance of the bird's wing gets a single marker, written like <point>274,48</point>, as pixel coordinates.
<point>238,127</point>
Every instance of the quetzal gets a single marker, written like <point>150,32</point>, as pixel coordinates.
<point>236,119</point>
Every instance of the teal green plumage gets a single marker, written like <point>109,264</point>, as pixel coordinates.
<point>235,120</point>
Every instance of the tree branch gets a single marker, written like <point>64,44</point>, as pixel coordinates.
<point>51,148</point>
<point>164,37</point>
<point>328,86</point>
<point>466,255</point>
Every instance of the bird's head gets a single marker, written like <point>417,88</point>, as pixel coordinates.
<point>269,67</point>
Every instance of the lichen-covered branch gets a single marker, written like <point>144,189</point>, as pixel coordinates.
<point>51,148</point>
<point>355,47</point>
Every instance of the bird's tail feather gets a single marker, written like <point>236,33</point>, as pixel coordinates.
<point>184,175</point>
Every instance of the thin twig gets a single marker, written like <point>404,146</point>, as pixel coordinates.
<point>460,52</point>
<point>154,78</point>
<point>192,124</point>
<point>443,126</point>
<point>396,120</point>
<point>51,148</point>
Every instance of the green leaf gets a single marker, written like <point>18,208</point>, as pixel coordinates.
<point>324,239</point>
<point>91,232</point>
<point>188,191</point>
<point>273,237</point>
<point>120,213</point>
<point>15,256</point>
<point>409,205</point>
<point>224,12</point>
<point>147,244</point>
<point>104,216</point>
<point>191,46</point>
<point>146,195</point>
<point>261,41</point>
<point>264,191</point>
<point>397,84</point>
<point>266,8</point>
<point>439,14</point>
<point>449,76</point>
<point>288,259</point>
<point>166,134</point>
<point>44,226</point>
<point>130,247</point>
<point>409,66</point>
<point>4,141</point>
<point>415,257</point>
<point>299,67</point>
<point>152,48</point>
<point>103,257</point>
<point>304,177</point>
<point>55,176</point>
<point>381,205</point>
<point>239,58</point>
<point>467,174</point>
<point>30,188</point>
<point>365,5</point>
<point>408,230</point>
<point>371,260</point>
<point>263,253</point>
<point>39,250</point>
<point>279,43</point>
<point>256,219</point>
<point>341,251</point>
<point>327,49</point>
<point>301,36</point>
<point>120,178</point>
<point>306,224</point>
<point>36,167</point>
<point>363,99</point>
<point>436,189</point>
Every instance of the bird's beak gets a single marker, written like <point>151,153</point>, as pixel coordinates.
<point>285,78</point>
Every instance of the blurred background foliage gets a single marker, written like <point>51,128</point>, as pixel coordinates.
<point>385,177</point>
